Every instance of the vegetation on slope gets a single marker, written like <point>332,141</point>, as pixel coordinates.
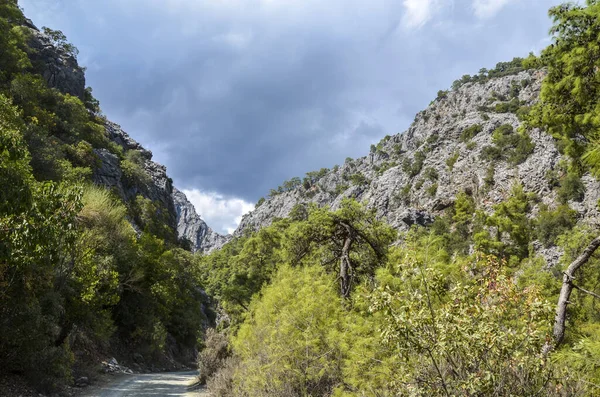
<point>72,268</point>
<point>462,307</point>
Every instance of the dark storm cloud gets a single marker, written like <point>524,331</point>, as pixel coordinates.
<point>235,96</point>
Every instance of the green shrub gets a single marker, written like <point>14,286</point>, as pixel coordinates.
<point>403,196</point>
<point>571,188</point>
<point>470,132</point>
<point>551,224</point>
<point>291,343</point>
<point>260,202</point>
<point>419,184</point>
<point>452,159</point>
<point>385,166</point>
<point>431,174</point>
<point>432,190</point>
<point>134,173</point>
<point>341,188</point>
<point>508,107</point>
<point>413,167</point>
<point>488,180</point>
<point>509,145</point>
<point>358,179</point>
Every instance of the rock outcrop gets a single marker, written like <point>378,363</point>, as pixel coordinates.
<point>181,216</point>
<point>191,227</point>
<point>58,67</point>
<point>412,177</point>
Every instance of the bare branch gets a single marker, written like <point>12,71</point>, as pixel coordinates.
<point>586,291</point>
<point>567,288</point>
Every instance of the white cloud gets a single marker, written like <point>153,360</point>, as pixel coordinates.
<point>221,213</point>
<point>485,9</point>
<point>417,12</point>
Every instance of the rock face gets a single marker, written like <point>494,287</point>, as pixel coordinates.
<point>61,71</point>
<point>182,216</point>
<point>404,193</point>
<point>58,67</point>
<point>193,228</point>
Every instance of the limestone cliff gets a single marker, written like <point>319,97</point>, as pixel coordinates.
<point>412,177</point>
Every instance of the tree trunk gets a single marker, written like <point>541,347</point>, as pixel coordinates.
<point>345,268</point>
<point>567,288</point>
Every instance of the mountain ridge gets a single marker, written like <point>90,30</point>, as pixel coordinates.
<point>412,177</point>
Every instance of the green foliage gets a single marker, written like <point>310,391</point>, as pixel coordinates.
<point>569,96</point>
<point>507,231</point>
<point>414,166</point>
<point>502,69</point>
<point>419,184</point>
<point>509,145</point>
<point>431,174</point>
<point>386,165</point>
<point>59,40</point>
<point>239,270</point>
<point>452,159</point>
<point>71,265</point>
<point>490,173</point>
<point>260,202</point>
<point>133,170</point>
<point>358,179</point>
<point>469,133</point>
<point>341,188</point>
<point>290,345</point>
<point>403,195</point>
<point>432,190</point>
<point>427,335</point>
<point>552,223</point>
<point>571,188</point>
<point>511,106</point>
<point>313,177</point>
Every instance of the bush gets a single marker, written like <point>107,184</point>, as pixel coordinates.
<point>260,202</point>
<point>432,190</point>
<point>488,180</point>
<point>134,173</point>
<point>403,196</point>
<point>571,188</point>
<point>470,132</point>
<point>551,224</point>
<point>412,168</point>
<point>508,107</point>
<point>509,145</point>
<point>341,188</point>
<point>358,179</point>
<point>431,174</point>
<point>290,345</point>
<point>213,355</point>
<point>221,383</point>
<point>450,161</point>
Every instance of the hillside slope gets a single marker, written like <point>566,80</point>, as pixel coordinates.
<point>61,71</point>
<point>413,176</point>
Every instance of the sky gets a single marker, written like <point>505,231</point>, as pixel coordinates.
<point>236,96</point>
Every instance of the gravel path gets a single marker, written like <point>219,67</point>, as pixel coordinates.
<point>159,384</point>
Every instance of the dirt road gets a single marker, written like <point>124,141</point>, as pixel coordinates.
<point>157,385</point>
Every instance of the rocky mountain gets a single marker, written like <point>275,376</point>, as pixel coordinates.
<point>466,140</point>
<point>60,69</point>
<point>193,228</point>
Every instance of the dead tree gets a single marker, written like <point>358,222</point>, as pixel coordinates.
<point>567,288</point>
